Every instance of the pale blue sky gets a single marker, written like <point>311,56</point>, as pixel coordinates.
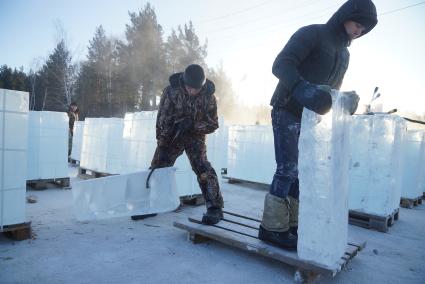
<point>245,34</point>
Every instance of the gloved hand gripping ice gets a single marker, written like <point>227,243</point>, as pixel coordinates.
<point>349,101</point>
<point>315,97</point>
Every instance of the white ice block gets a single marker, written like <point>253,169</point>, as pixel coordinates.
<point>139,144</point>
<point>217,146</point>
<point>13,155</point>
<point>323,175</point>
<point>102,145</point>
<point>421,169</point>
<point>376,163</point>
<point>126,195</point>
<point>77,140</point>
<point>251,153</point>
<point>47,145</point>
<point>413,145</point>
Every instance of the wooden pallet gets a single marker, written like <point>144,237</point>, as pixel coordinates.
<point>17,232</point>
<point>410,202</point>
<point>44,183</point>
<point>371,221</point>
<point>241,232</point>
<point>194,200</point>
<point>88,174</point>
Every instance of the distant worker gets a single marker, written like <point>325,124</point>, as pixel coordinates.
<point>312,63</point>
<point>73,115</point>
<point>187,112</point>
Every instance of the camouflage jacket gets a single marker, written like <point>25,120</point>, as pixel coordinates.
<point>176,104</point>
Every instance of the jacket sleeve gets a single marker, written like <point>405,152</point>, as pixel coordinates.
<point>165,118</point>
<point>299,47</point>
<point>209,122</point>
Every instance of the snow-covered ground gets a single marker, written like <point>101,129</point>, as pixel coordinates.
<point>153,251</point>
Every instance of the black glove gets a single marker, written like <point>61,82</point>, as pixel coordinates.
<point>315,97</point>
<point>350,101</point>
<point>183,126</point>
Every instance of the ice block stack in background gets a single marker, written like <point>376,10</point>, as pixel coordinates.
<point>139,141</point>
<point>411,174</point>
<point>13,156</point>
<point>421,169</point>
<point>250,154</point>
<point>77,140</point>
<point>217,147</point>
<point>323,175</point>
<point>47,145</point>
<point>102,145</point>
<point>376,163</point>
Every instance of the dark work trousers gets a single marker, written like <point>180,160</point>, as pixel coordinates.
<point>196,151</point>
<point>286,132</point>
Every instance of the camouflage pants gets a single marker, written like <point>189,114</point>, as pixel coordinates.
<point>196,151</point>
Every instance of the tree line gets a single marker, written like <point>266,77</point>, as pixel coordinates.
<point>118,76</point>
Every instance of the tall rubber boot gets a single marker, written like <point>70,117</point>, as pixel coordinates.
<point>275,225</point>
<point>293,215</point>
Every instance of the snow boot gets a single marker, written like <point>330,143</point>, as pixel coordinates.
<point>275,225</point>
<point>212,216</point>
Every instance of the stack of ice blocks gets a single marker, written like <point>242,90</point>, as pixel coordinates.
<point>251,153</point>
<point>47,145</point>
<point>125,195</point>
<point>413,145</point>
<point>217,147</point>
<point>421,170</point>
<point>13,156</point>
<point>139,144</point>
<point>102,145</point>
<point>323,175</point>
<point>139,140</point>
<point>77,140</point>
<point>376,163</point>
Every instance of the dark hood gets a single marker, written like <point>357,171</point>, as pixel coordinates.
<point>176,80</point>
<point>351,10</point>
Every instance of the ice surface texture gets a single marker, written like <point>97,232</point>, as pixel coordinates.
<point>323,174</point>
<point>413,145</point>
<point>125,195</point>
<point>77,140</point>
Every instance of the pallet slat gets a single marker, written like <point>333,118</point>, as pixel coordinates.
<point>371,221</point>
<point>18,232</point>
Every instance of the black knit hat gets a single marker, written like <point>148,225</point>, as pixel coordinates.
<point>194,76</point>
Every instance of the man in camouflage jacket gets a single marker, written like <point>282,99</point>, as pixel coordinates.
<point>187,112</point>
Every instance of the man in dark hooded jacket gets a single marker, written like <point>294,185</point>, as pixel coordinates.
<point>187,112</point>
<point>312,63</point>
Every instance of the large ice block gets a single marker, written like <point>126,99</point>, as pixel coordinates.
<point>376,163</point>
<point>77,140</point>
<point>251,153</point>
<point>13,156</point>
<point>413,145</point>
<point>47,145</point>
<point>102,145</point>
<point>125,195</point>
<point>323,175</point>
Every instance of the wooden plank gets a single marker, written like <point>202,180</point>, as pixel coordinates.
<point>254,245</point>
<point>18,232</point>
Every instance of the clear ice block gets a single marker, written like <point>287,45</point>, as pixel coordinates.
<point>412,159</point>
<point>126,195</point>
<point>323,175</point>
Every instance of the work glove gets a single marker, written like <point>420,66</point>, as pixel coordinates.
<point>350,101</point>
<point>183,126</point>
<point>315,97</point>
